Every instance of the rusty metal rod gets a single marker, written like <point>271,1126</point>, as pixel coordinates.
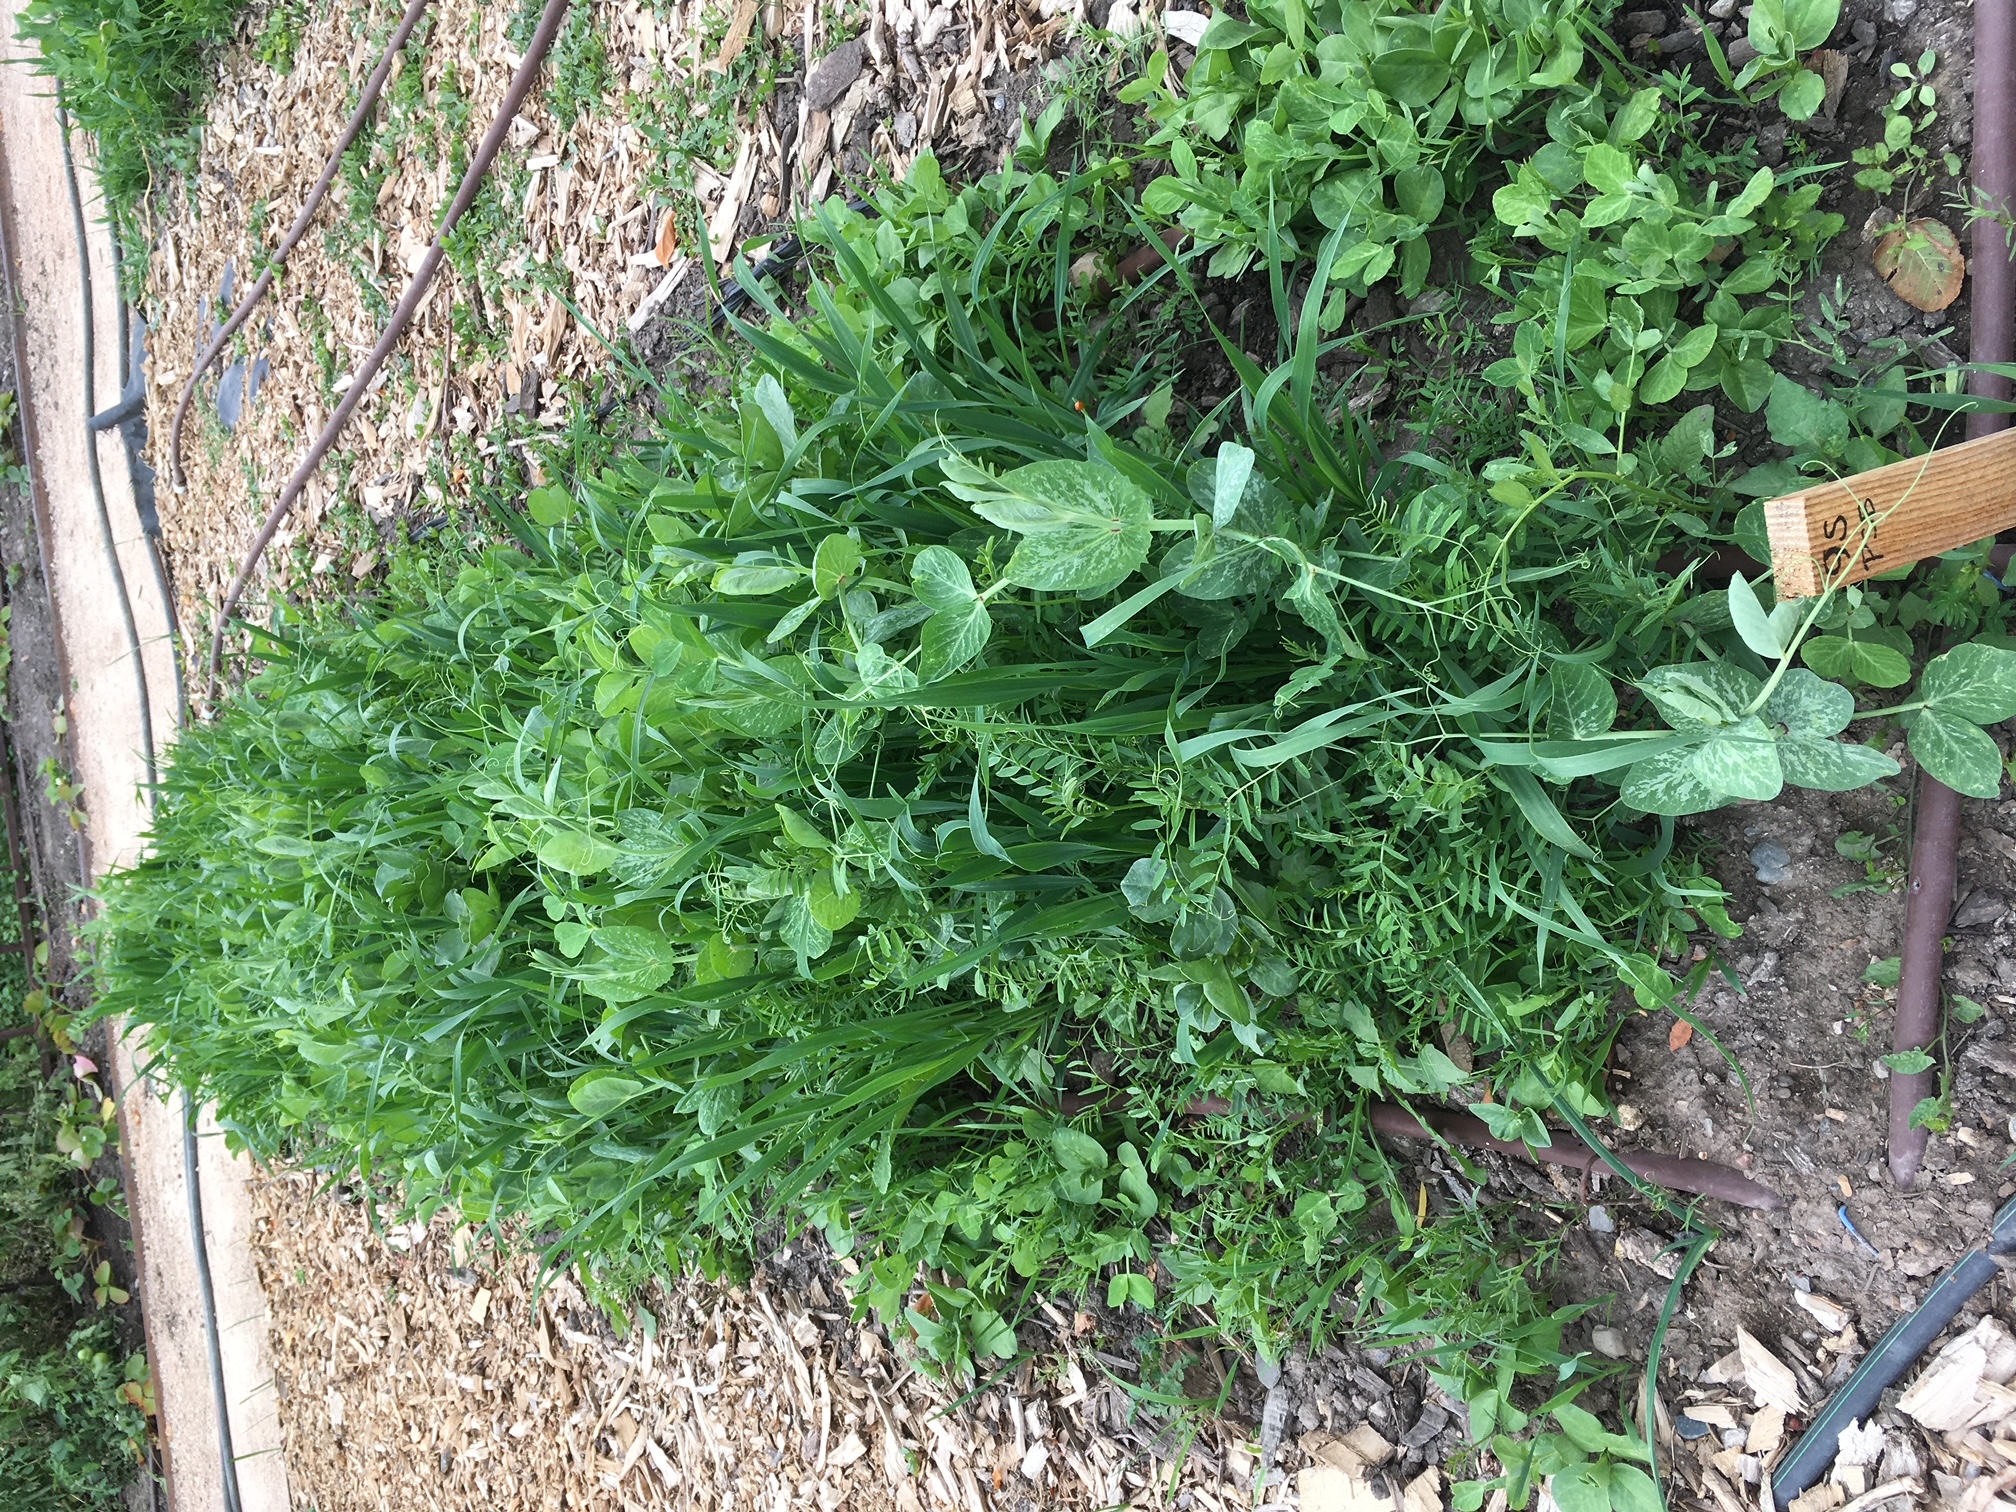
<point>409,305</point>
<point>1928,904</point>
<point>1679,1172</point>
<point>373,86</point>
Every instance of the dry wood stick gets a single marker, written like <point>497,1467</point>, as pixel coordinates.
<point>1844,530</point>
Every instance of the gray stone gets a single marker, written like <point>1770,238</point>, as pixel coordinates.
<point>1601,1221</point>
<point>1741,52</point>
<point>1607,1341</point>
<point>833,75</point>
<point>1981,907</point>
<point>1646,23</point>
<point>1773,862</point>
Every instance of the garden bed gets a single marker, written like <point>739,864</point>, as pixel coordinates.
<point>1515,373</point>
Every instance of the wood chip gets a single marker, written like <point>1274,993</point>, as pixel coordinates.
<point>1830,1315</point>
<point>1770,1380</point>
<point>1767,1431</point>
<point>737,38</point>
<point>1325,1488</point>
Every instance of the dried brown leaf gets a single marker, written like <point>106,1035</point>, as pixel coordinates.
<point>1922,263</point>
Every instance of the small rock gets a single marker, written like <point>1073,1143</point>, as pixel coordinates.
<point>1690,1428</point>
<point>1629,1118</point>
<point>1607,1341</point>
<point>1645,23</point>
<point>1722,10</point>
<point>1773,862</point>
<point>906,128</point>
<point>833,75</point>
<point>1980,907</point>
<point>1601,1221</point>
<point>1741,52</point>
<point>1897,12</point>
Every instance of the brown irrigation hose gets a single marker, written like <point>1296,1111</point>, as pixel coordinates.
<point>409,304</point>
<point>1680,1173</point>
<point>1928,905</point>
<point>365,102</point>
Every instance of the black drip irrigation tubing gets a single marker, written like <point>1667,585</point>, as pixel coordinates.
<point>94,423</point>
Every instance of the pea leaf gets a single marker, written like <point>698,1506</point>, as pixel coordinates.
<point>837,559</point>
<point>1957,752</point>
<point>1741,761</point>
<point>1972,682</point>
<point>578,854</point>
<point>1668,784</point>
<point>1865,661</point>
<point>549,506</point>
<point>1082,525</point>
<point>597,1094</point>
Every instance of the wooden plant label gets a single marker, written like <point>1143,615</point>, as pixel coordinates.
<point>1844,530</point>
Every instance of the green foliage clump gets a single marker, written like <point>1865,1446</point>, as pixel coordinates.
<point>133,75</point>
<point>70,1428</point>
<point>1369,117</point>
<point>905,803</point>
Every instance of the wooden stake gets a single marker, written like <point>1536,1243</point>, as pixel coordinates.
<point>1845,530</point>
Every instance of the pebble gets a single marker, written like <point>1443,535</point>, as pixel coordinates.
<point>1897,12</point>
<point>1772,861</point>
<point>834,74</point>
<point>1601,1221</point>
<point>1690,1428</point>
<point>1646,23</point>
<point>1607,1341</point>
<point>1722,10</point>
<point>1741,52</point>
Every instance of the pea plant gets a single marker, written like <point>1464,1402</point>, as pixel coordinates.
<point>1781,32</point>
<point>1369,119</point>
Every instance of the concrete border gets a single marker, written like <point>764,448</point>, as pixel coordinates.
<point>104,714</point>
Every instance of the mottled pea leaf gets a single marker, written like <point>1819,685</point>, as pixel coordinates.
<point>1667,784</point>
<point>1696,697</point>
<point>832,908</point>
<point>1082,525</point>
<point>1974,682</point>
<point>1741,761</point>
<point>1584,701</point>
<point>1957,752</point>
<point>630,962</point>
<point>951,638</point>
<point>1832,766</point>
<point>1810,705</point>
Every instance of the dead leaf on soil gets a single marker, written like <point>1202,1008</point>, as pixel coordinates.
<point>1922,263</point>
<point>1833,69</point>
<point>1681,1034</point>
